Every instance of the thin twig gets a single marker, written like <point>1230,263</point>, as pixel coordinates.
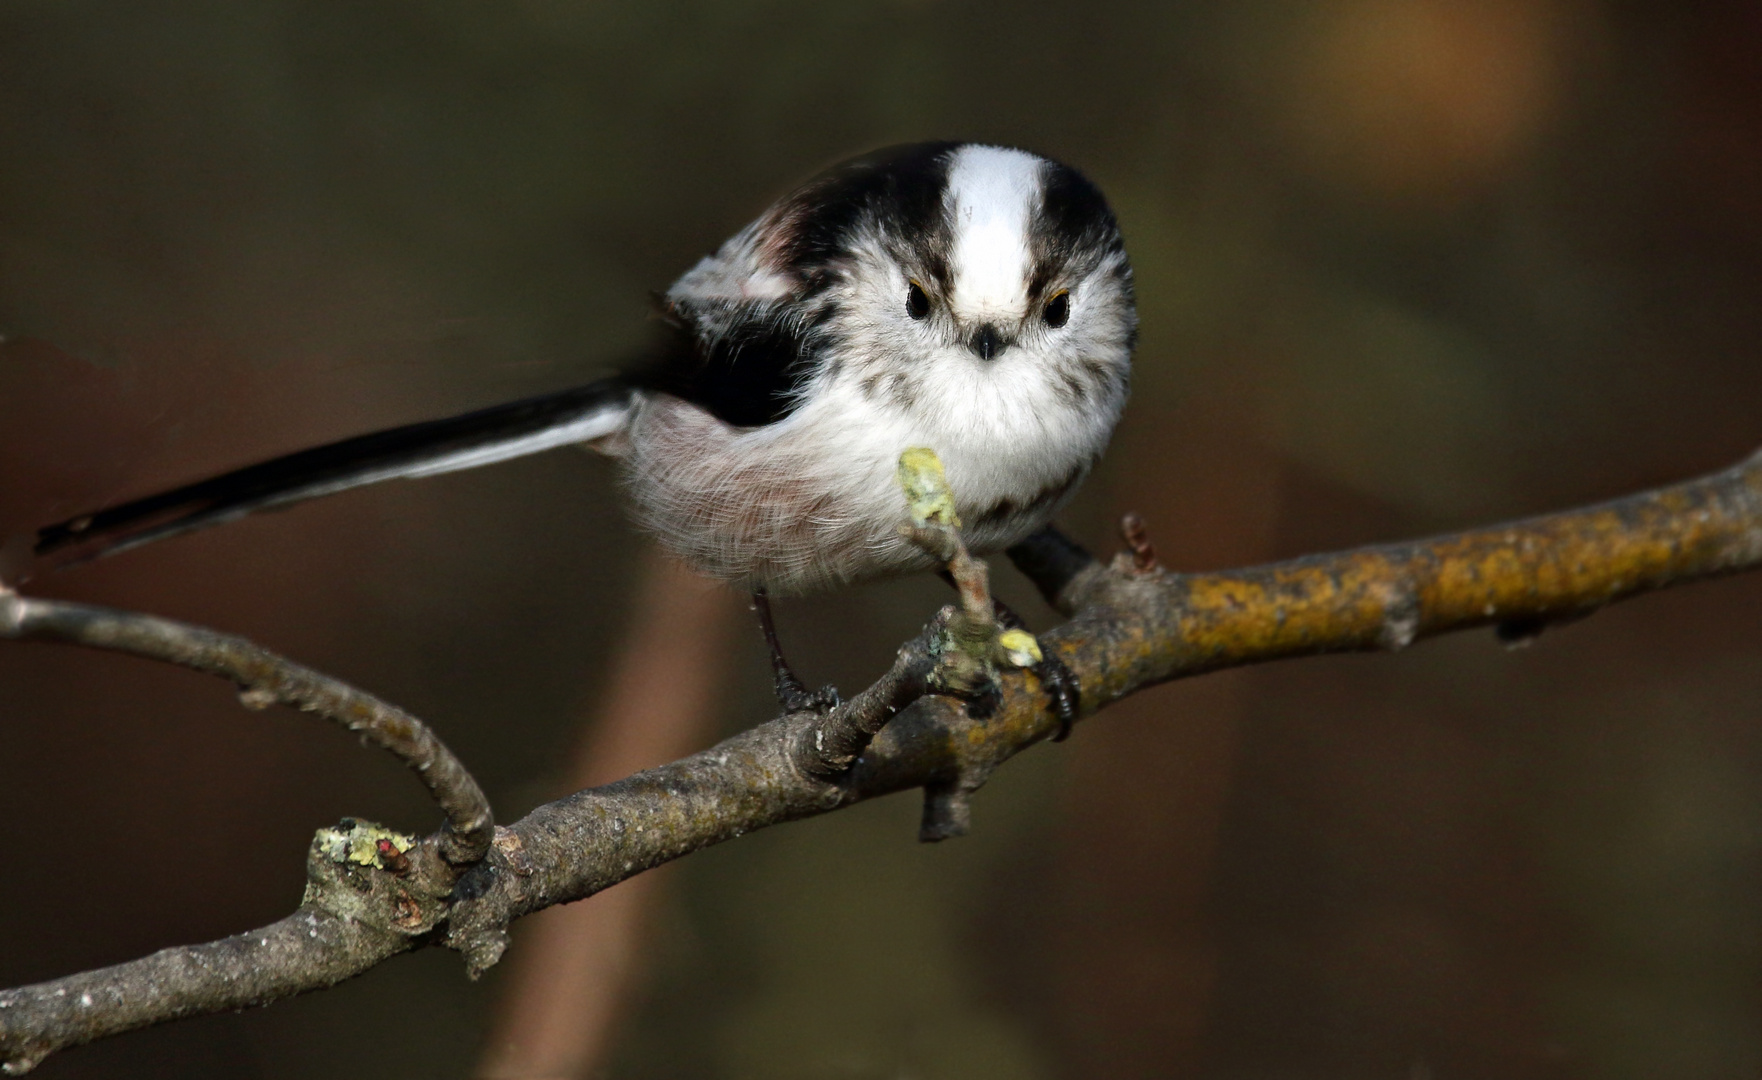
<point>1130,628</point>
<point>266,679</point>
<point>827,748</point>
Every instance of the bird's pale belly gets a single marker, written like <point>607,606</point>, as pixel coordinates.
<point>791,511</point>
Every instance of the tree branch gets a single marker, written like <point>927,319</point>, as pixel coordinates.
<point>266,679</point>
<point>1132,625</point>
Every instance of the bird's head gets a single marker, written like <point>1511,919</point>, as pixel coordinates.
<point>940,271</point>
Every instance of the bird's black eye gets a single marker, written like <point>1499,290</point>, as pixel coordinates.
<point>917,305</point>
<point>1058,310</point>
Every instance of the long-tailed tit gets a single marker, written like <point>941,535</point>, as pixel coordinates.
<point>972,299</point>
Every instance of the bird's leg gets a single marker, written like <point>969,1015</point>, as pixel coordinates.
<point>789,686</point>
<point>792,693</point>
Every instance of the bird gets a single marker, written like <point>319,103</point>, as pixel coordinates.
<point>969,298</point>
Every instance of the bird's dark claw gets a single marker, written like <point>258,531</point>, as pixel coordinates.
<point>1063,693</point>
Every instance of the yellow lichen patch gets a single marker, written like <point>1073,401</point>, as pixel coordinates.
<point>926,488</point>
<point>359,842</point>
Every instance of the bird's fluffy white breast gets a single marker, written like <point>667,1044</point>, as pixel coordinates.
<point>812,501</point>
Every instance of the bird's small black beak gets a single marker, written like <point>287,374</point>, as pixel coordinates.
<point>988,342</point>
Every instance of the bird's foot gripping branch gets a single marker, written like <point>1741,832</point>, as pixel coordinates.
<point>961,654</point>
<point>1131,624</point>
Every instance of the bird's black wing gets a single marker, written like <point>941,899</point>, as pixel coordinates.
<point>475,438</point>
<point>749,372</point>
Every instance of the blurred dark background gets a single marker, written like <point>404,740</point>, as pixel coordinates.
<point>1403,265</point>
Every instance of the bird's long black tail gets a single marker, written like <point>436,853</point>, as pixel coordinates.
<point>425,449</point>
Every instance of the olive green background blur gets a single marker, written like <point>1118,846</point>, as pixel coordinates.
<point>1403,266</point>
